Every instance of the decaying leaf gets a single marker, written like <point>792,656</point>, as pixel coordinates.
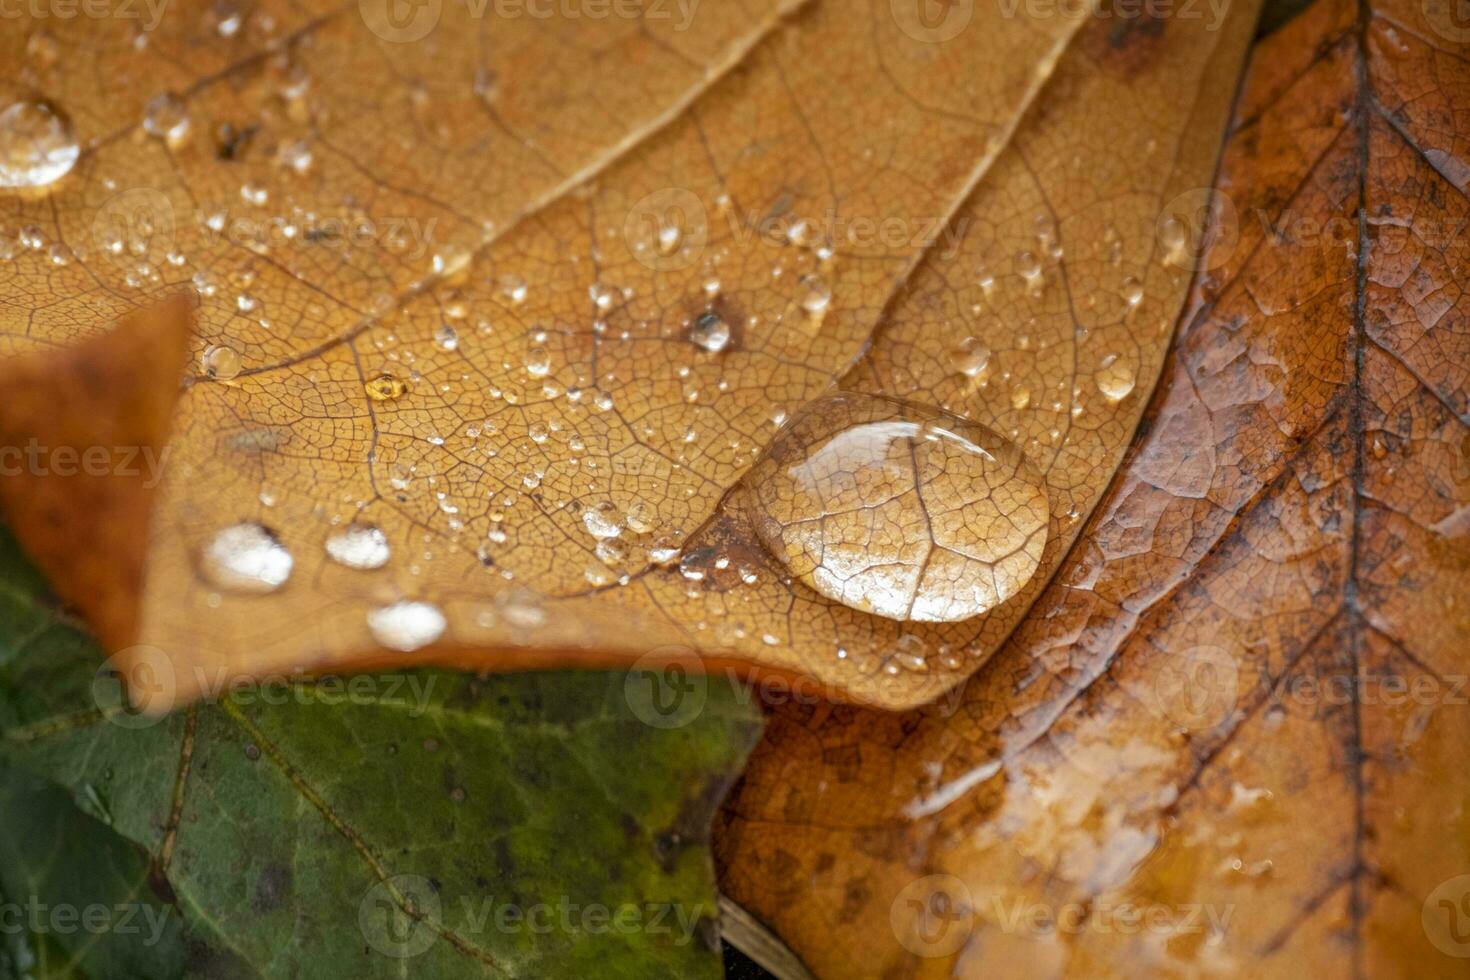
<point>481,367</point>
<point>1228,738</point>
<point>355,827</point>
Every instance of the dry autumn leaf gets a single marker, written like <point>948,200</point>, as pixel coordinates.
<point>1227,739</point>
<point>526,447</point>
<point>477,362</point>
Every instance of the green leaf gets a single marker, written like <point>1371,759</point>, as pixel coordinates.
<point>76,897</point>
<point>425,822</point>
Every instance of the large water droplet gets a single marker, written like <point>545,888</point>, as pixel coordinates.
<point>406,626</point>
<point>221,362</point>
<point>37,146</point>
<point>900,510</point>
<point>360,546</point>
<point>385,387</point>
<point>246,558</point>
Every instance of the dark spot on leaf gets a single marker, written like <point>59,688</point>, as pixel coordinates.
<point>1123,39</point>
<point>271,888</point>
<point>231,142</point>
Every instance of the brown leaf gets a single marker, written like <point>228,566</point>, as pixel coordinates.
<point>532,346</point>
<point>1227,738</point>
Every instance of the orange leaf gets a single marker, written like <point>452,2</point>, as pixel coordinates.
<point>1227,738</point>
<point>494,324</point>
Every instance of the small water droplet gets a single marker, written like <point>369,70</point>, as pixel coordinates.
<point>37,146</point>
<point>970,358</point>
<point>227,18</point>
<point>446,337</point>
<point>166,117</point>
<point>603,521</point>
<point>603,297</point>
<point>295,156</point>
<point>711,332</point>
<point>670,237</point>
<point>816,294</point>
<point>360,546</point>
<point>385,387</point>
<point>1030,269</point>
<point>406,626</point>
<point>538,362</point>
<point>898,510</point>
<point>1020,397</point>
<point>246,558</point>
<point>1132,291</point>
<point>514,289</point>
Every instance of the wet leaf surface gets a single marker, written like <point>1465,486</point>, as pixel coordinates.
<point>531,348</point>
<point>520,825</point>
<point>1226,739</point>
<point>821,347</point>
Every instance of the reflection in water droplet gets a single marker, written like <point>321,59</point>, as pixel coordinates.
<point>406,626</point>
<point>246,558</point>
<point>514,289</point>
<point>669,238</point>
<point>1115,378</point>
<point>1132,291</point>
<point>1030,269</point>
<point>361,546</point>
<point>970,358</point>
<point>221,362</point>
<point>816,295</point>
<point>711,332</point>
<point>385,388</point>
<point>295,156</point>
<point>37,146</point>
<point>900,510</point>
<point>166,117</point>
<point>538,362</point>
<point>603,521</point>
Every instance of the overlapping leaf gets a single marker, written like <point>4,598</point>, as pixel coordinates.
<point>516,275</point>
<point>533,825</point>
<point>1226,740</point>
